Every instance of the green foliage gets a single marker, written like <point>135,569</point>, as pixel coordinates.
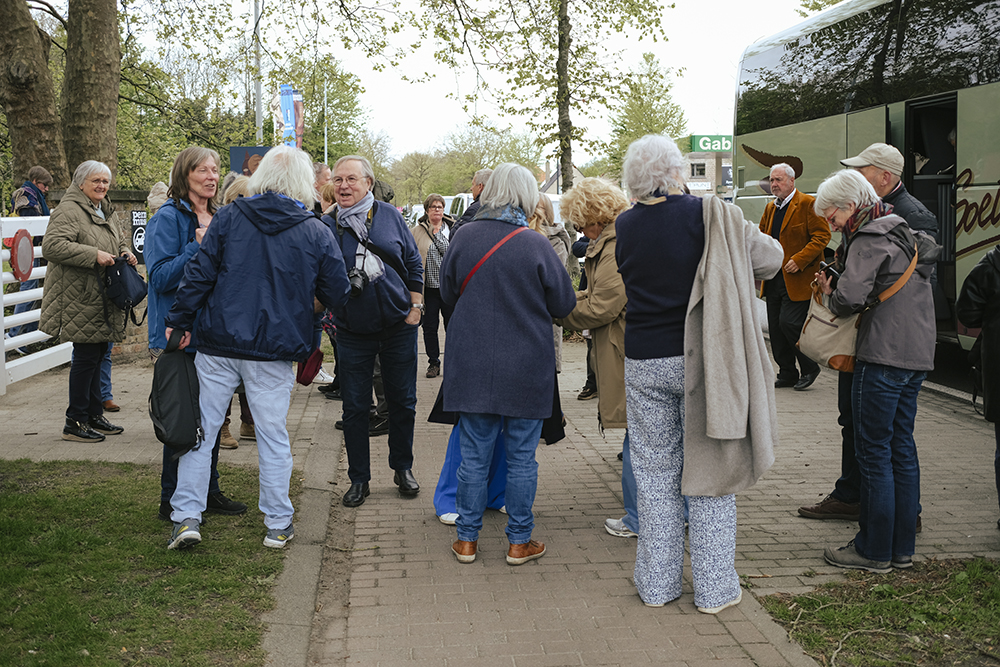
<point>88,579</point>
<point>646,108</point>
<point>939,612</point>
<point>810,7</point>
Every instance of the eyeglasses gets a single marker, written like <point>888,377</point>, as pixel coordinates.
<point>435,208</point>
<point>100,181</point>
<point>350,180</point>
<point>829,217</point>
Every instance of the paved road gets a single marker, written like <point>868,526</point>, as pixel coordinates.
<point>377,585</point>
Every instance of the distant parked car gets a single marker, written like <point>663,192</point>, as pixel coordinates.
<point>459,203</point>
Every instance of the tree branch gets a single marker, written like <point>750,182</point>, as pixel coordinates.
<point>49,9</point>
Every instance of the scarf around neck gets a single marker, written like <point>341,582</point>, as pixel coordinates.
<point>510,214</point>
<point>866,214</point>
<point>355,216</point>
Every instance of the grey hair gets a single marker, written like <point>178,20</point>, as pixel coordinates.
<point>366,167</point>
<point>847,186</point>
<point>511,184</point>
<point>788,170</point>
<point>653,163</point>
<point>286,170</point>
<point>318,168</point>
<point>482,177</point>
<point>88,169</point>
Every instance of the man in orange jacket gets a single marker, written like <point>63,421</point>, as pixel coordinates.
<point>803,234</point>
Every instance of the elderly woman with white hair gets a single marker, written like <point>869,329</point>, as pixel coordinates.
<point>251,286</point>
<point>84,235</point>
<point>702,421</point>
<point>506,287</point>
<point>895,349</point>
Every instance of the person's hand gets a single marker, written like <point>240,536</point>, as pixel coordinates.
<point>199,234</point>
<point>130,258</point>
<point>105,258</point>
<point>185,339</point>
<point>823,281</point>
<point>791,267</point>
<point>414,316</point>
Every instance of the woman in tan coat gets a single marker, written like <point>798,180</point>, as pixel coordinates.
<point>592,206</point>
<point>84,236</point>
<point>431,234</point>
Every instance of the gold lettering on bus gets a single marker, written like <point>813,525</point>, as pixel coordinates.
<point>976,214</point>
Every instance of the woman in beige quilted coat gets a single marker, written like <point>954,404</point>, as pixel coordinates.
<point>84,235</point>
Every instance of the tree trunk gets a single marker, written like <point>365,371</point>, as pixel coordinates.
<point>90,86</point>
<point>563,98</point>
<point>28,96</point>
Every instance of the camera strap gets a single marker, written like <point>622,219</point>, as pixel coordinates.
<point>388,259</point>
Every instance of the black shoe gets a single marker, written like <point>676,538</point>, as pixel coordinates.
<point>781,383</point>
<point>587,393</point>
<point>356,495</point>
<point>102,425</point>
<point>378,426</point>
<point>80,432</point>
<point>806,381</point>
<point>333,394</point>
<point>165,510</point>
<point>339,425</point>
<point>406,482</point>
<point>219,504</point>
<point>330,388</point>
<point>621,456</point>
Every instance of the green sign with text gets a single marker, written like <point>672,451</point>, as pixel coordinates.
<point>712,143</point>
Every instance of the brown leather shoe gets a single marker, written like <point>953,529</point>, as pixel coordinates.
<point>464,551</point>
<point>831,508</point>
<point>111,406</point>
<point>226,439</point>
<point>522,553</point>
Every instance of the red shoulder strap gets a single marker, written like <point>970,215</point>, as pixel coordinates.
<point>487,256</point>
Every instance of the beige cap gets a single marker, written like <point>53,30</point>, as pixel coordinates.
<point>882,156</point>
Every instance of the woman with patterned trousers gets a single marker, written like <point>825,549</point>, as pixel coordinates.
<point>701,414</point>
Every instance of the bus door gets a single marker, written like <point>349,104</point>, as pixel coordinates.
<point>976,213</point>
<point>929,175</point>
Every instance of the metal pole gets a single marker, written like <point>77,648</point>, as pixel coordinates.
<point>326,157</point>
<point>257,86</point>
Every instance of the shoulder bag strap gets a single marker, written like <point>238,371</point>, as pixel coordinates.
<point>487,256</point>
<point>898,285</point>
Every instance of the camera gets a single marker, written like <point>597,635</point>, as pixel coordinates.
<point>831,273</point>
<point>358,279</point>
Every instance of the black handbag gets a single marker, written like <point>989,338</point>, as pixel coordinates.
<point>124,288</point>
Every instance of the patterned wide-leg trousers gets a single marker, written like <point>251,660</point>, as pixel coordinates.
<point>654,390</point>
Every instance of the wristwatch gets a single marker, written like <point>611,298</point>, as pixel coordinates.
<point>418,306</point>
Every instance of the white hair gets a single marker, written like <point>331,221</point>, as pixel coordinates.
<point>88,169</point>
<point>842,188</point>
<point>787,169</point>
<point>511,184</point>
<point>653,163</point>
<point>286,170</point>
<point>482,176</point>
<point>366,167</point>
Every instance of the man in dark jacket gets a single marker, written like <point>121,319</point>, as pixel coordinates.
<point>882,166</point>
<point>478,183</point>
<point>262,265</point>
<point>979,306</point>
<point>379,320</point>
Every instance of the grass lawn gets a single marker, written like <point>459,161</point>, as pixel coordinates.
<point>87,578</point>
<point>937,613</point>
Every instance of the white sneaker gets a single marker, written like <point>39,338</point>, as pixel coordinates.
<point>322,377</point>
<point>503,509</point>
<point>715,610</point>
<point>448,518</point>
<point>617,528</point>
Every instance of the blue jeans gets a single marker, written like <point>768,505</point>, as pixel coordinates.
<point>885,409</point>
<point>25,307</point>
<point>398,356</point>
<point>447,486</point>
<point>631,518</point>
<point>478,437</point>
<point>269,391</point>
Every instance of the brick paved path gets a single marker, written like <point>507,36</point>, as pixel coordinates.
<point>407,600</point>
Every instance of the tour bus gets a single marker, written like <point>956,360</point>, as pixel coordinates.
<point>922,75</point>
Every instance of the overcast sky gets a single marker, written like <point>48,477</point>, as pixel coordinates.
<point>705,38</point>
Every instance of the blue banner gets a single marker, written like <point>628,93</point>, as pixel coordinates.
<point>288,115</point>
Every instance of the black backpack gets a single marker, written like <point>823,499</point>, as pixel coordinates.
<point>173,400</point>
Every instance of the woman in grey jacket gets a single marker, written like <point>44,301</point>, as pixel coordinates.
<point>895,349</point>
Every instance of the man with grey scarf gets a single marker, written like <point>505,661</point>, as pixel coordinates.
<point>380,319</point>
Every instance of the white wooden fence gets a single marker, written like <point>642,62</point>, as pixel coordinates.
<point>27,365</point>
